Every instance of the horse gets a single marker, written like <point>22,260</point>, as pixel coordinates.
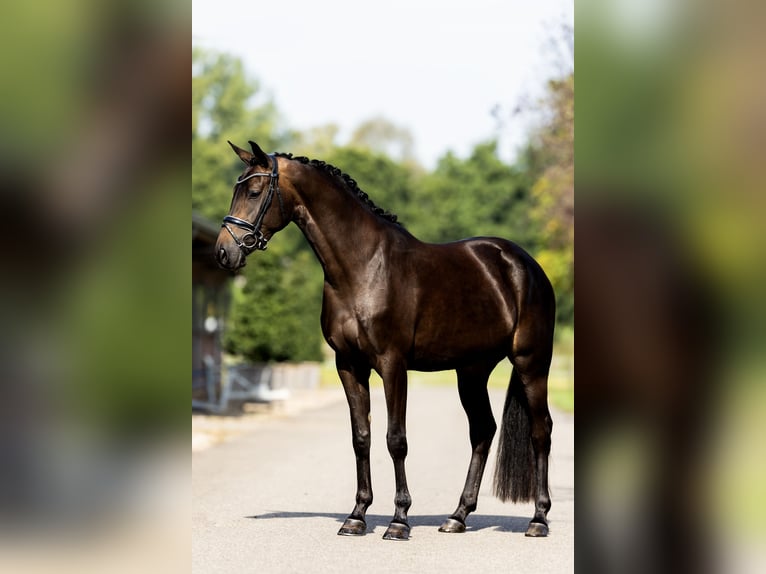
<point>393,303</point>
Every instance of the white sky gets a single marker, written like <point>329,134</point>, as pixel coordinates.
<point>437,68</point>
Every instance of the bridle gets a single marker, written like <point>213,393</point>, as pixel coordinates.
<point>254,239</point>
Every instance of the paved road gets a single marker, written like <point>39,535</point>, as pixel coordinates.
<point>271,500</point>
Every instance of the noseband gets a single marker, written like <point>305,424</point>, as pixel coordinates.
<point>254,239</point>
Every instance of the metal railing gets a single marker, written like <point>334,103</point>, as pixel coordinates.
<point>247,383</point>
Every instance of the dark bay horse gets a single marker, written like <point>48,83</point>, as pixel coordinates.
<point>393,303</point>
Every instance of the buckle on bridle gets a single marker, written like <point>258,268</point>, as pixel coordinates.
<point>251,240</point>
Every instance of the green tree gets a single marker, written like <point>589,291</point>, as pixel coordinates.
<point>381,136</point>
<point>390,184</point>
<point>275,312</point>
<point>552,150</point>
<point>226,105</point>
<point>480,195</point>
<point>317,142</point>
<point>275,309</point>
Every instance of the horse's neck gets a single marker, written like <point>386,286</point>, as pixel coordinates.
<point>343,233</point>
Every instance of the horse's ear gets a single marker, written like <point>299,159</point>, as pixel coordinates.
<point>259,157</point>
<point>244,155</point>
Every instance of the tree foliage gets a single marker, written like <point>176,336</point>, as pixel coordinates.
<point>390,184</point>
<point>553,192</point>
<point>226,105</point>
<point>275,312</point>
<point>381,136</point>
<point>277,301</point>
<point>479,195</point>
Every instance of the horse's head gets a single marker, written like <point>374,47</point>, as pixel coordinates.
<point>254,216</point>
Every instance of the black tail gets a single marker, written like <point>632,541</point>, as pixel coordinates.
<point>515,469</point>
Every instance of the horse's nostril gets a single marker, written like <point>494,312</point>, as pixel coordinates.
<point>222,257</point>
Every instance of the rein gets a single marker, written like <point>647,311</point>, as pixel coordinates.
<point>254,238</point>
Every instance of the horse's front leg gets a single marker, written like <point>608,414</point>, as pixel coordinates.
<point>395,385</point>
<point>355,379</point>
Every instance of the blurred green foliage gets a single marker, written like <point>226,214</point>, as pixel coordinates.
<point>670,129</point>
<point>129,352</point>
<point>96,295</point>
<point>277,302</point>
<point>275,311</point>
<point>226,105</point>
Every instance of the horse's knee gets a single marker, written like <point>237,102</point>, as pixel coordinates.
<point>397,444</point>
<point>361,441</point>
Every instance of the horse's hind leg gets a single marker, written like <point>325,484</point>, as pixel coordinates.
<point>355,379</point>
<point>521,473</point>
<point>472,385</point>
<point>536,393</point>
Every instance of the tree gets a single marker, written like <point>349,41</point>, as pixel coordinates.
<point>317,142</point>
<point>381,136</point>
<point>226,105</point>
<point>553,191</point>
<point>480,195</point>
<point>275,310</point>
<point>275,313</point>
<point>390,184</point>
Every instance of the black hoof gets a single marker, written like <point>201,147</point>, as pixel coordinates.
<point>397,531</point>
<point>537,530</point>
<point>452,525</point>
<point>353,527</point>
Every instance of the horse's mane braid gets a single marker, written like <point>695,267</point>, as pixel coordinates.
<point>347,180</point>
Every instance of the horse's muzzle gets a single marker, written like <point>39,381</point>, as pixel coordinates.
<point>231,260</point>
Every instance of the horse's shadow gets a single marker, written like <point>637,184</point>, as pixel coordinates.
<point>475,522</point>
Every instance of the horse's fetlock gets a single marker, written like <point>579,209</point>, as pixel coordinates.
<point>364,498</point>
<point>403,501</point>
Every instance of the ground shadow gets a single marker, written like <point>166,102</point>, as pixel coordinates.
<point>475,522</point>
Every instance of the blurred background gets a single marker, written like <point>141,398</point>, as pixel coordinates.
<point>670,188</point>
<point>94,464</point>
<point>95,301</point>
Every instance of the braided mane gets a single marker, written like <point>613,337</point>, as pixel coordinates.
<point>346,180</point>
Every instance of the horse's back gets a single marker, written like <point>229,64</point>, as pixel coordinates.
<point>471,297</point>
<point>488,268</point>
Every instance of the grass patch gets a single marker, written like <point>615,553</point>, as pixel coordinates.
<point>735,466</point>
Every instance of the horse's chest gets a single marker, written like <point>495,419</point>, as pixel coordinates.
<point>353,326</point>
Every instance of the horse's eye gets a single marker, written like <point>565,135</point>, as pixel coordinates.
<point>254,194</point>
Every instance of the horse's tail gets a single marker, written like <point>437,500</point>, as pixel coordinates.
<point>515,471</point>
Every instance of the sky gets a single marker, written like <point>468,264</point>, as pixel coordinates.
<point>436,68</point>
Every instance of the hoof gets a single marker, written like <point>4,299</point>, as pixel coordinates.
<point>537,530</point>
<point>452,525</point>
<point>353,527</point>
<point>397,531</point>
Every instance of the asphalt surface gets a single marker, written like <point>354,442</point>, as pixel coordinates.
<point>271,499</point>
